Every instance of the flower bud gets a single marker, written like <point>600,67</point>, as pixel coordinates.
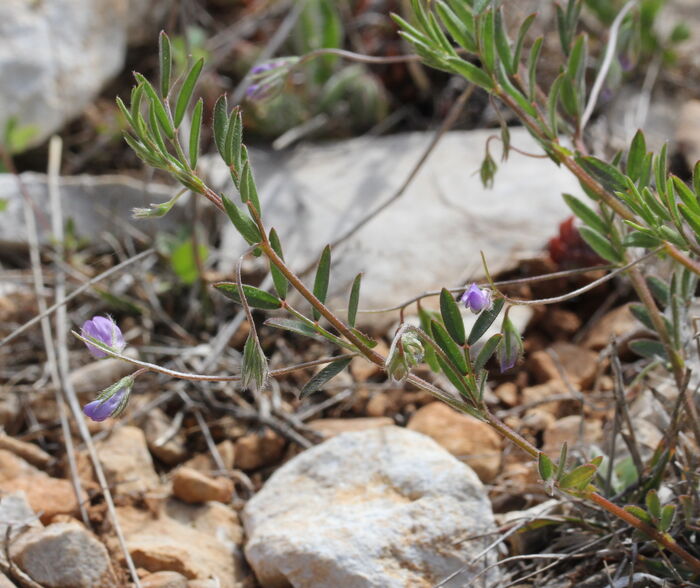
<point>103,330</point>
<point>254,369</point>
<point>476,299</point>
<point>111,402</point>
<point>268,78</point>
<point>406,352</point>
<point>413,349</point>
<point>510,349</point>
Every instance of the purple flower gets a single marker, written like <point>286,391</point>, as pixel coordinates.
<point>110,402</point>
<point>252,89</point>
<point>263,67</point>
<point>476,299</point>
<point>104,330</point>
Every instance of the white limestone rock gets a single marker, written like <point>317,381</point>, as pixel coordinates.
<point>378,508</point>
<point>430,237</point>
<point>94,203</point>
<point>55,57</point>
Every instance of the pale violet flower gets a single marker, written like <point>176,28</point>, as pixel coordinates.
<point>476,299</point>
<point>111,401</point>
<point>104,330</point>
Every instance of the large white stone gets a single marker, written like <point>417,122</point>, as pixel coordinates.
<point>431,236</point>
<point>55,57</point>
<point>95,204</point>
<point>378,508</point>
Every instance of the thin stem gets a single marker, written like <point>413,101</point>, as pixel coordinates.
<point>343,329</point>
<point>152,367</point>
<point>646,297</point>
<point>513,282</point>
<point>587,287</point>
<point>663,538</point>
<point>51,309</point>
<point>352,56</point>
<point>678,255</point>
<point>607,61</point>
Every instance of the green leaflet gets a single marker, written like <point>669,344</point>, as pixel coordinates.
<point>323,272</point>
<point>256,298</point>
<point>319,380</point>
<point>451,316</point>
<point>183,98</point>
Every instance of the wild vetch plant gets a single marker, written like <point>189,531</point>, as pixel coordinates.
<point>631,209</point>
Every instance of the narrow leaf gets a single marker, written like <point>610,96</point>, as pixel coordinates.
<point>367,340</point>
<point>503,43</point>
<point>487,351</point>
<point>648,348</point>
<point>165,63</point>
<point>158,107</point>
<point>578,478</point>
<point>484,321</point>
<point>668,513</point>
<point>249,191</point>
<point>430,358</point>
<point>659,289</point>
<point>278,278</point>
<point>256,298</point>
<point>244,224</point>
<point>640,513</point>
<point>600,244</point>
<point>451,349</point>
<point>323,273</point>
<point>451,316</point>
<point>545,467</point>
<point>585,213</point>
<point>183,98</point>
<point>221,126</point>
<point>639,239</point>
<point>354,300</point>
<point>610,178</point>
<point>636,156</point>
<point>561,465</point>
<point>522,33</point>
<point>686,194</point>
<point>195,133</point>
<point>293,326</point>
<point>653,504</point>
<point>320,379</point>
<point>456,380</point>
<point>532,60</point>
<point>455,27</point>
<point>471,72</point>
<point>487,41</point>
<point>234,138</point>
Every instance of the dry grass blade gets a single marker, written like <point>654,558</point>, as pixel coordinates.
<point>87,285</point>
<point>62,329</point>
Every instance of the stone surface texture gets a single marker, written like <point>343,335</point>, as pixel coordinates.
<point>198,542</point>
<point>465,437</point>
<point>377,508</point>
<point>55,57</point>
<point>64,555</point>
<point>316,193</point>
<point>46,496</point>
<point>194,487</point>
<point>91,202</point>
<point>126,461</point>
